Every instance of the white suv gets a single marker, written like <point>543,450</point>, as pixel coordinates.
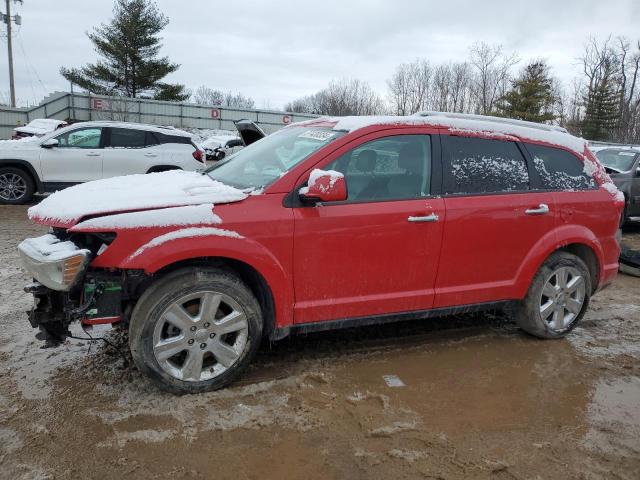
<point>90,151</point>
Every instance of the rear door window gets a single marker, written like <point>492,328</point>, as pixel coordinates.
<point>477,165</point>
<point>559,169</point>
<point>130,138</point>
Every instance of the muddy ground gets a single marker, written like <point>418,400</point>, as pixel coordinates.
<point>481,400</point>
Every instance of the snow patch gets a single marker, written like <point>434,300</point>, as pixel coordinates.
<point>133,192</point>
<point>185,233</point>
<point>316,174</point>
<point>18,143</point>
<point>613,190</point>
<point>165,217</point>
<point>51,247</point>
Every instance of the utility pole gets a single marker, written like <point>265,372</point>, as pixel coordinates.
<point>8,20</point>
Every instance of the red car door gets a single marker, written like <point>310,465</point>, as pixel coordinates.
<point>377,252</point>
<point>494,219</point>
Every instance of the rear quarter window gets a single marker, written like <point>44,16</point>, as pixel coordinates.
<point>559,169</point>
<point>165,138</point>
<point>477,165</point>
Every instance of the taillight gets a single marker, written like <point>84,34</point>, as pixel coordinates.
<point>198,155</point>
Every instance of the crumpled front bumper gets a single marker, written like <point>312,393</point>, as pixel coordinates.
<point>59,265</point>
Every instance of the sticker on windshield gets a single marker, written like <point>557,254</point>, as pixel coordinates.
<point>320,135</point>
<point>627,154</point>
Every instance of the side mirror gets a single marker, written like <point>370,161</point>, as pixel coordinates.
<point>638,172</point>
<point>325,186</point>
<point>52,142</point>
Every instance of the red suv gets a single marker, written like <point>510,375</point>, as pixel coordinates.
<point>329,223</point>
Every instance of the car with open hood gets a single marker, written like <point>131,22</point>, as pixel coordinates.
<point>329,223</point>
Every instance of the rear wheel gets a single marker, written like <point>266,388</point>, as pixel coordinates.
<point>558,297</point>
<point>195,330</point>
<point>16,186</point>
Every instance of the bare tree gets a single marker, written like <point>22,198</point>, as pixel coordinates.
<point>492,74</point>
<point>207,96</point>
<point>409,87</point>
<point>343,97</point>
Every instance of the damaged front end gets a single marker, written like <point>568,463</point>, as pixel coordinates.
<point>66,289</point>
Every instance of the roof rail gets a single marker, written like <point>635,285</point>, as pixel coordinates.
<point>487,118</point>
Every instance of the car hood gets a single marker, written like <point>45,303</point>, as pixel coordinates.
<point>8,147</point>
<point>131,193</point>
<point>249,131</point>
<point>34,130</point>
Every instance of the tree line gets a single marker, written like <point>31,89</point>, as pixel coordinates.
<point>603,103</point>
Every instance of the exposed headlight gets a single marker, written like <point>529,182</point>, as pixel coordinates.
<point>56,264</point>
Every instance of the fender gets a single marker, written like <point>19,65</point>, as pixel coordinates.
<point>243,249</point>
<point>557,238</point>
<point>27,166</point>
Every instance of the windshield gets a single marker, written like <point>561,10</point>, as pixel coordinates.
<point>618,160</point>
<point>266,160</point>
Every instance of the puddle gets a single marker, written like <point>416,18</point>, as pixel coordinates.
<point>614,414</point>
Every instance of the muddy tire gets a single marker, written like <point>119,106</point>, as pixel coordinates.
<point>195,330</point>
<point>16,186</point>
<point>557,298</point>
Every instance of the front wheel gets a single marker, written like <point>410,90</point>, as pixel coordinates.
<point>557,299</point>
<point>16,186</point>
<point>195,330</point>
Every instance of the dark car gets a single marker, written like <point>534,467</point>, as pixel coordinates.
<point>623,166</point>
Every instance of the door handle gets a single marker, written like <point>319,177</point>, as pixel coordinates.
<point>542,209</point>
<point>93,154</point>
<point>150,154</point>
<point>429,218</point>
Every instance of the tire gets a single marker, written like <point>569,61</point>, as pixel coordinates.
<point>154,332</point>
<point>16,186</point>
<point>573,304</point>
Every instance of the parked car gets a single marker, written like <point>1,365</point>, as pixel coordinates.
<point>38,128</point>
<point>623,166</point>
<point>329,223</point>
<point>90,151</point>
<point>218,147</point>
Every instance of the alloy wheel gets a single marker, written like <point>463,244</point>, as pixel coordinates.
<point>12,186</point>
<point>200,335</point>
<point>562,298</point>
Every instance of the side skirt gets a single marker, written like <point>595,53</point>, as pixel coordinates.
<point>48,187</point>
<point>321,326</point>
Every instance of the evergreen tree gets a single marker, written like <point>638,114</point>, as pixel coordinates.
<point>129,46</point>
<point>531,96</point>
<point>602,106</point>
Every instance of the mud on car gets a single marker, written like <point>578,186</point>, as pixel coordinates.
<point>329,223</point>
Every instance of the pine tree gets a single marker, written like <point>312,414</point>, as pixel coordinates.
<point>602,105</point>
<point>129,46</point>
<point>531,96</point>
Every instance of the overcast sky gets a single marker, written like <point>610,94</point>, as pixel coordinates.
<point>275,51</point>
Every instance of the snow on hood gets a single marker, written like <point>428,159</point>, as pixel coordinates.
<point>162,217</point>
<point>133,192</point>
<point>19,143</point>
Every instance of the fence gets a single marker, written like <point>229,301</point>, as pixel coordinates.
<point>85,106</point>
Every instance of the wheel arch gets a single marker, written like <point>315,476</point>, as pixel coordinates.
<point>26,167</point>
<point>247,273</point>
<point>574,239</point>
<point>252,261</point>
